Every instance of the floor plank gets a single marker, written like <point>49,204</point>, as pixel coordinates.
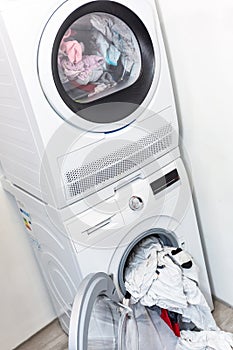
<point>223,316</point>
<point>53,338</point>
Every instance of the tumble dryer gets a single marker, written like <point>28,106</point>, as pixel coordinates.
<point>84,239</point>
<point>85,95</point>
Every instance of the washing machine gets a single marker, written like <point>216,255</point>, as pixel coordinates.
<point>85,97</point>
<point>75,244</point>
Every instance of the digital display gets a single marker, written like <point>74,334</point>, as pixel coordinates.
<point>165,181</point>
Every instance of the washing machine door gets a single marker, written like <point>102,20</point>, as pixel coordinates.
<point>96,63</point>
<point>98,320</point>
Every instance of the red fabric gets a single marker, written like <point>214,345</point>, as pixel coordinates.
<point>176,329</point>
<point>174,326</point>
<point>165,317</point>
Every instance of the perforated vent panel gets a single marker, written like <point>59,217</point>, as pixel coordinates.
<point>105,170</point>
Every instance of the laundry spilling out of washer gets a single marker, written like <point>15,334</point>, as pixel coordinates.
<point>166,309</point>
<point>165,281</point>
<point>90,152</point>
<point>146,329</point>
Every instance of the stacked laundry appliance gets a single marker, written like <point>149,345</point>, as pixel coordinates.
<point>89,146</point>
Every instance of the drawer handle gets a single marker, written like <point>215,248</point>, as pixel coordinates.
<point>90,230</point>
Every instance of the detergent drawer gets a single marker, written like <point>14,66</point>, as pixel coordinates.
<point>94,225</point>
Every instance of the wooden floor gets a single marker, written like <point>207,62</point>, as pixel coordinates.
<point>53,338</point>
<point>223,316</point>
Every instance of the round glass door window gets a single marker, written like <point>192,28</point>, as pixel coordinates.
<point>98,320</point>
<point>112,326</point>
<point>98,56</point>
<point>103,326</point>
<point>103,54</point>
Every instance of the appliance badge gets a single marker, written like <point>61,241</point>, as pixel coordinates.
<point>26,219</point>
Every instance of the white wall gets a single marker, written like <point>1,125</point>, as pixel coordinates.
<point>200,42</point>
<point>24,304</point>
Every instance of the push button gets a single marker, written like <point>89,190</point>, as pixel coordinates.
<point>136,203</point>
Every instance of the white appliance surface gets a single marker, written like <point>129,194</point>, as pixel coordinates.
<point>44,144</point>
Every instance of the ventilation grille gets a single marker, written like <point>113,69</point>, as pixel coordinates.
<point>95,175</point>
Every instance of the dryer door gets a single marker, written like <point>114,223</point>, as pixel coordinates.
<point>92,56</point>
<point>98,320</point>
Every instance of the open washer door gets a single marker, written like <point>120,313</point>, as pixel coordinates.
<point>98,320</point>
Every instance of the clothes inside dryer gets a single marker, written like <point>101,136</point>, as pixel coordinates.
<point>103,54</point>
<point>98,55</point>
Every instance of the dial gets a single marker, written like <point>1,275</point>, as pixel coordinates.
<point>136,203</point>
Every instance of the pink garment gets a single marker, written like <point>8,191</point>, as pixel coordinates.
<point>73,49</point>
<point>87,70</point>
<point>68,33</point>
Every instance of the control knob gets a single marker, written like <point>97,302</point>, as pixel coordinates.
<point>136,203</point>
